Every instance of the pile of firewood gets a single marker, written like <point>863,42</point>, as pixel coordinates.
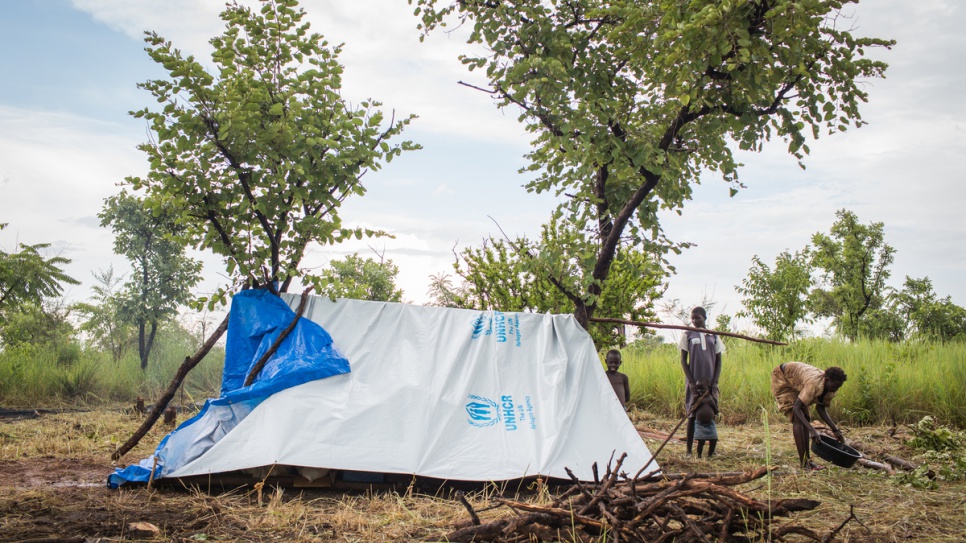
<point>618,508</point>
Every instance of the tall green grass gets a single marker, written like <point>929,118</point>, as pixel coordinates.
<point>38,376</point>
<point>887,382</point>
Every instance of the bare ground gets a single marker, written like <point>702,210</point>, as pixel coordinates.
<point>53,470</point>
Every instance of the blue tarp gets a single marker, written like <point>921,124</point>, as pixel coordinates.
<point>256,320</point>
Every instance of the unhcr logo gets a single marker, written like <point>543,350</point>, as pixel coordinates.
<point>483,412</point>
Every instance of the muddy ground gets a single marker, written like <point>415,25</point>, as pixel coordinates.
<point>53,469</point>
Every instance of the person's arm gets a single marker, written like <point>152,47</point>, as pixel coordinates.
<point>799,411</point>
<point>820,409</point>
<point>687,368</point>
<point>714,405</point>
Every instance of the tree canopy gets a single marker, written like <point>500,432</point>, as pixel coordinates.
<point>629,101</point>
<point>845,278</point>
<point>258,154</point>
<point>853,261</point>
<point>104,322</point>
<point>361,279</point>
<point>929,316</point>
<point>163,275</point>
<point>777,299</point>
<point>28,277</point>
<point>505,275</point>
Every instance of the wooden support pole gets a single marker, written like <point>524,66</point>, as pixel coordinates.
<point>682,327</point>
<point>159,407</point>
<point>257,368</point>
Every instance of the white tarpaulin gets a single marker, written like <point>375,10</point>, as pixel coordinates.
<point>446,393</point>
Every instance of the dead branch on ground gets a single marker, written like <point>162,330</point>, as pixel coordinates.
<point>684,508</point>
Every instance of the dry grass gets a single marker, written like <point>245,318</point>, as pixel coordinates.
<point>52,470</point>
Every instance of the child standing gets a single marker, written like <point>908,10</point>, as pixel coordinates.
<point>700,359</point>
<point>705,429</point>
<point>617,380</point>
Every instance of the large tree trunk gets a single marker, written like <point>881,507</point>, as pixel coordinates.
<point>144,347</point>
<point>141,345</point>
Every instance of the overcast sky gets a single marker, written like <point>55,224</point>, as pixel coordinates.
<point>70,68</point>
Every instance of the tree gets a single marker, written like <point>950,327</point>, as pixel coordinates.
<point>853,261</point>
<point>630,100</point>
<point>361,279</point>
<point>443,293</point>
<point>883,323</point>
<point>929,316</point>
<point>500,275</point>
<point>163,274</point>
<point>27,277</point>
<point>258,156</point>
<point>104,322</point>
<point>45,325</point>
<point>777,300</point>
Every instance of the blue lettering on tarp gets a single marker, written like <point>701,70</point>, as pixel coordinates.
<point>499,321</point>
<point>531,415</point>
<point>499,325</point>
<point>483,412</point>
<point>509,415</point>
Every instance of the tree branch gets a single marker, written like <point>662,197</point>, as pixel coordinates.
<point>257,368</point>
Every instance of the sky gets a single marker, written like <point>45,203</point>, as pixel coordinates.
<point>71,68</point>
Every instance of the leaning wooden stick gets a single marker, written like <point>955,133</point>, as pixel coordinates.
<point>186,366</point>
<point>694,407</point>
<point>682,327</point>
<point>257,368</point>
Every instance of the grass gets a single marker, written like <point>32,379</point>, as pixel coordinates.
<point>888,383</point>
<point>39,377</point>
<point>69,454</point>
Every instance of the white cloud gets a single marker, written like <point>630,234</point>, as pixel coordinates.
<point>902,169</point>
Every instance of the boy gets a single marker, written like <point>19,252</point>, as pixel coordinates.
<point>701,359</point>
<point>617,380</point>
<point>705,429</point>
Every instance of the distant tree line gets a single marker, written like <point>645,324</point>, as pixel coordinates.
<point>843,276</point>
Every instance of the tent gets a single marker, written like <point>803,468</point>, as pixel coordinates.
<point>394,388</point>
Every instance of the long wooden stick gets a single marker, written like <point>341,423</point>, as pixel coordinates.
<point>682,327</point>
<point>694,408</point>
<point>186,366</point>
<point>257,368</point>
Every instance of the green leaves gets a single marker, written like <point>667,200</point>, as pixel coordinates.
<point>360,279</point>
<point>854,261</point>
<point>776,299</point>
<point>28,277</point>
<point>631,101</point>
<point>260,157</point>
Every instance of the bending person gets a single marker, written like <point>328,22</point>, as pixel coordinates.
<point>797,386</point>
